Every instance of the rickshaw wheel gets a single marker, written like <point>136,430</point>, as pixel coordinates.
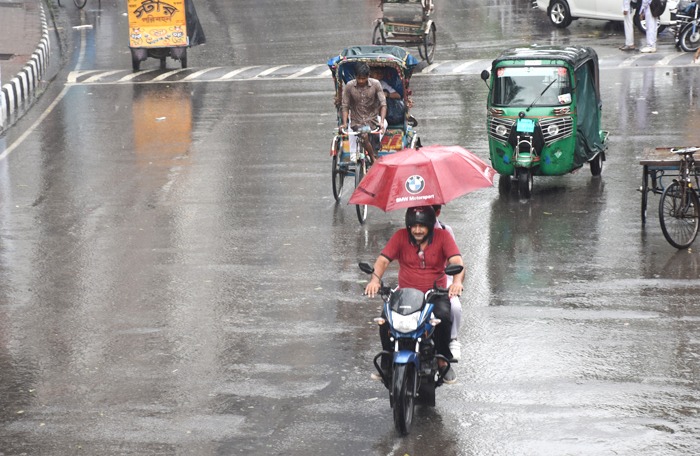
<point>183,59</point>
<point>428,45</point>
<point>80,4</point>
<point>135,60</point>
<point>504,184</point>
<point>525,183</point>
<point>337,173</point>
<point>162,63</point>
<point>378,35</point>
<point>597,164</point>
<point>360,171</point>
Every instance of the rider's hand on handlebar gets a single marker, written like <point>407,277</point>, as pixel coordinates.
<point>372,288</point>
<point>456,290</point>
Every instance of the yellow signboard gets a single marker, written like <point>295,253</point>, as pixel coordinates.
<point>157,23</point>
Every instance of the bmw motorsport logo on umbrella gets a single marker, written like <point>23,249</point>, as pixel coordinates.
<point>415,184</point>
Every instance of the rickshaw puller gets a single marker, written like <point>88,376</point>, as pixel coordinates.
<point>364,101</point>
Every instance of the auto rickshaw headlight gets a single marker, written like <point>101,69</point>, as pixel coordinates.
<point>553,130</point>
<point>501,130</point>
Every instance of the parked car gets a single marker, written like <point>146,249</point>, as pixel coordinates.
<point>562,12</point>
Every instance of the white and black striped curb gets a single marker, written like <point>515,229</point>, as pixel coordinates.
<point>22,86</point>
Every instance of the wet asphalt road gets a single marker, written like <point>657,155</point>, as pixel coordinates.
<point>175,277</point>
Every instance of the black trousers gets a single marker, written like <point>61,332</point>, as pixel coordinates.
<point>441,336</point>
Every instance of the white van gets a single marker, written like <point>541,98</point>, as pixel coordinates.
<point>562,12</point>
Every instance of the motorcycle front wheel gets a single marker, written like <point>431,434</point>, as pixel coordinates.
<point>689,39</point>
<point>404,387</point>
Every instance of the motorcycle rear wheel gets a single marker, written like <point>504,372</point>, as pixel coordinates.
<point>404,388</point>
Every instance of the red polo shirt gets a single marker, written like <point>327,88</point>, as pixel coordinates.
<point>415,272</point>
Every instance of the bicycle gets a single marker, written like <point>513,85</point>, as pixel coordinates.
<point>679,206</point>
<point>357,167</point>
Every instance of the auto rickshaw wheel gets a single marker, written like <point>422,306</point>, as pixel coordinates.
<point>597,164</point>
<point>504,184</point>
<point>525,183</point>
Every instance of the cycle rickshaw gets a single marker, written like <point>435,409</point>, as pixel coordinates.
<point>397,65</point>
<point>407,23</point>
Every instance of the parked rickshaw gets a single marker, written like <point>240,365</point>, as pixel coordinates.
<point>407,23</point>
<point>398,67</point>
<point>544,111</point>
<point>161,29</point>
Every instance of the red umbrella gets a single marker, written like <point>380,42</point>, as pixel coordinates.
<point>429,175</point>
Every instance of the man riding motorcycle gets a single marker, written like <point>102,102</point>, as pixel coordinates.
<point>422,252</point>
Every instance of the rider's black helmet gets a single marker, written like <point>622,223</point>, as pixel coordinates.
<point>422,215</point>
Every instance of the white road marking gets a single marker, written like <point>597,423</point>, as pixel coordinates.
<point>303,71</point>
<point>199,73</point>
<point>270,70</point>
<point>168,74</point>
<point>235,72</point>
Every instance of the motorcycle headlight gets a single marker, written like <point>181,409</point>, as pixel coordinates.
<point>405,323</point>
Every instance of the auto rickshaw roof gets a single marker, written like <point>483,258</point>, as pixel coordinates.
<point>372,54</point>
<point>572,55</point>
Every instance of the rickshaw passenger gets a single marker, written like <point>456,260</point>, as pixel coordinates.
<point>379,74</point>
<point>363,102</point>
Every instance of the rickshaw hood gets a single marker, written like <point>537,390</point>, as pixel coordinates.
<point>391,55</point>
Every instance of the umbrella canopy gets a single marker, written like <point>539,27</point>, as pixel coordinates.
<point>429,175</point>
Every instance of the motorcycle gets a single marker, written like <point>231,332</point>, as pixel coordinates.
<point>414,372</point>
<point>688,28</point>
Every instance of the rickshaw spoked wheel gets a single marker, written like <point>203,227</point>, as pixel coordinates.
<point>337,172</point>
<point>378,35</point>
<point>360,171</point>
<point>525,183</point>
<point>427,48</point>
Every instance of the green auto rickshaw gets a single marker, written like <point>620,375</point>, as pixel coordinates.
<point>544,113</point>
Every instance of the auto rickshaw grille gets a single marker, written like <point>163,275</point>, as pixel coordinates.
<point>497,133</point>
<point>556,128</point>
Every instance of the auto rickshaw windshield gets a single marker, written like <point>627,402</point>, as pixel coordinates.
<point>529,85</point>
